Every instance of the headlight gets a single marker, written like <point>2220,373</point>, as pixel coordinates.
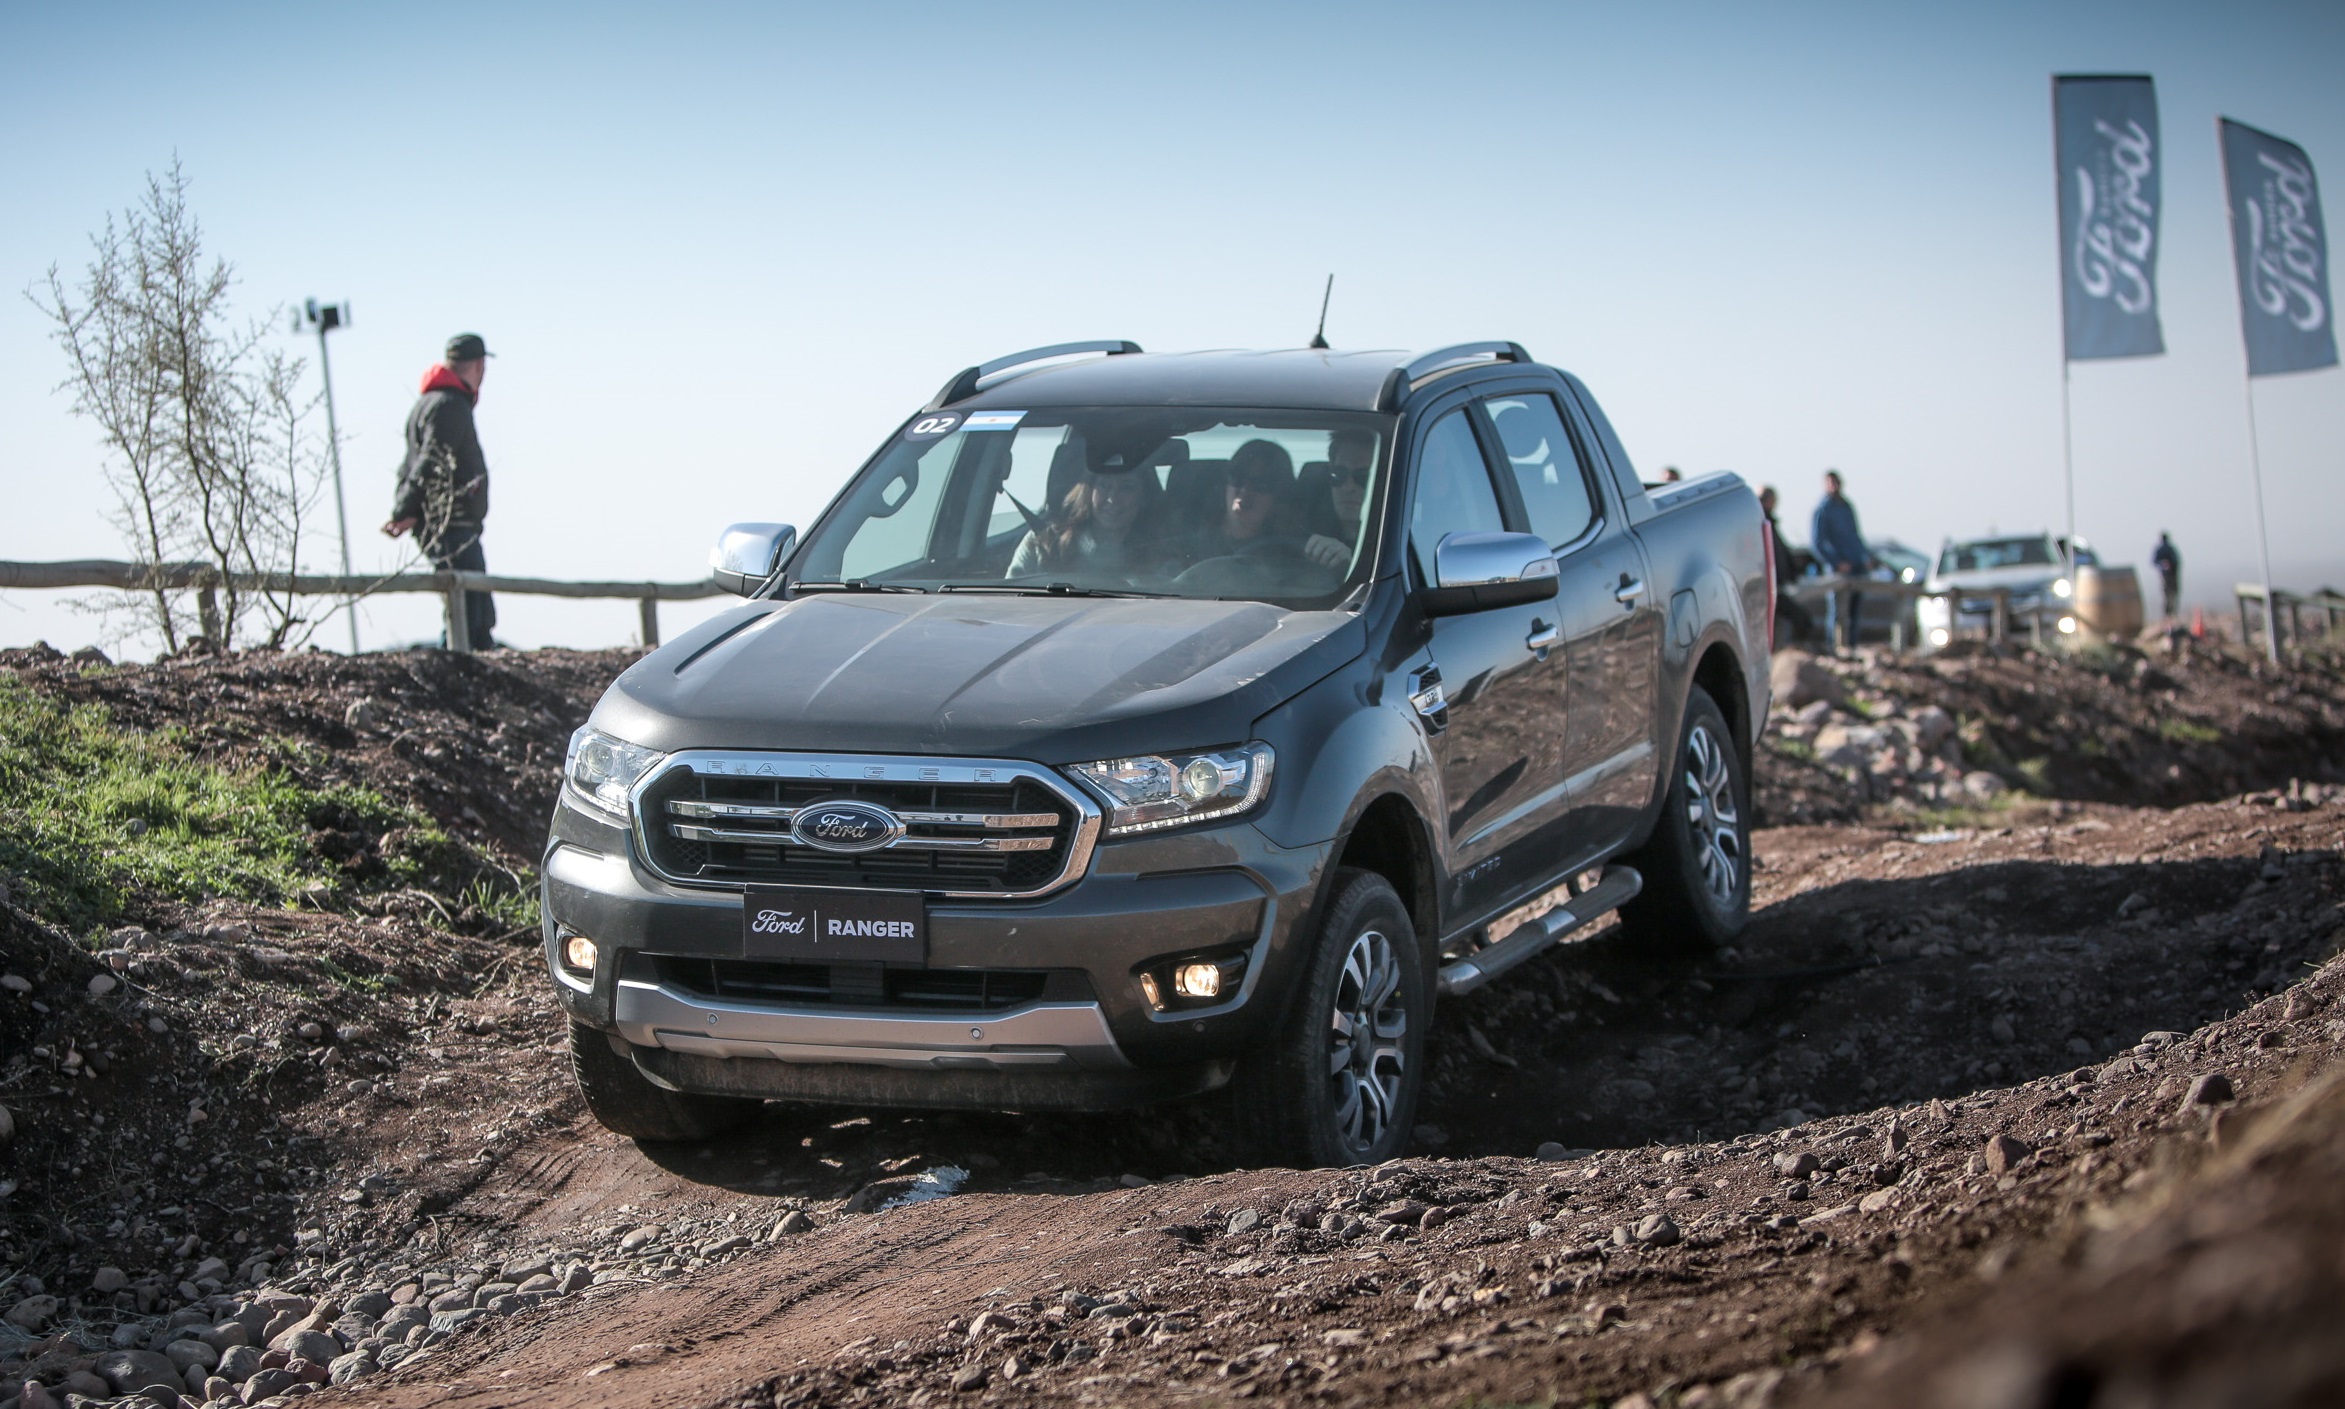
<point>1155,791</point>
<point>601,769</point>
<point>2061,587</point>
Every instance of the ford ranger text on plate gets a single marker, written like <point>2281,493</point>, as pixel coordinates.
<point>1132,725</point>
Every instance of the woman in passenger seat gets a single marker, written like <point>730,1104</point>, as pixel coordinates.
<point>1094,530</point>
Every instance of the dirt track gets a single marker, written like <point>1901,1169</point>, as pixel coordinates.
<point>1910,991</point>
<point>873,1307</point>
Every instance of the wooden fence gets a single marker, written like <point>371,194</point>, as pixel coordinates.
<point>206,579</point>
<point>2287,610</point>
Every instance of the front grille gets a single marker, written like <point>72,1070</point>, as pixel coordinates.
<point>1007,837</point>
<point>857,985</point>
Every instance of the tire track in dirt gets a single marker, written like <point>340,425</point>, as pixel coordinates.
<point>794,1305</point>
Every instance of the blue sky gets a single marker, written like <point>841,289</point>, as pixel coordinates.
<point>722,250</point>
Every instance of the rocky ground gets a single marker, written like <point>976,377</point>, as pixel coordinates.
<point>1983,1064</point>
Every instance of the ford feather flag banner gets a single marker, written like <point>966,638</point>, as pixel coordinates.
<point>2105,136</point>
<point>2282,252</point>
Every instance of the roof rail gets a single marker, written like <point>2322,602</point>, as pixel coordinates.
<point>1403,378</point>
<point>964,385</point>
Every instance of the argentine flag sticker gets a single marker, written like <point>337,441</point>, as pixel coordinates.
<point>993,420</point>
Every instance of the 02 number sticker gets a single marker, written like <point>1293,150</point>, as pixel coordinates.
<point>930,427</point>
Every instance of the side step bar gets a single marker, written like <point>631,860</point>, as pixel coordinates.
<point>1619,886</point>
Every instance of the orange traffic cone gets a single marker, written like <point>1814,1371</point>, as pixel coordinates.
<point>2198,623</point>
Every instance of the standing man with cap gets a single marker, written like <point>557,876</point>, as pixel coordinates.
<point>443,494</point>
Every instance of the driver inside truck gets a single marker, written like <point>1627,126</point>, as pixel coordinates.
<point>1260,476</point>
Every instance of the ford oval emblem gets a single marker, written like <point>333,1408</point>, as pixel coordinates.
<point>846,825</point>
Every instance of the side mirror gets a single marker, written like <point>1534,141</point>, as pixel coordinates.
<point>747,555</point>
<point>1477,571</point>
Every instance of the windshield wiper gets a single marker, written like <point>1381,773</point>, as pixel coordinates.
<point>1050,589</point>
<point>855,584</point>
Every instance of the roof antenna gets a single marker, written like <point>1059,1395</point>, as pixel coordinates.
<point>1319,339</point>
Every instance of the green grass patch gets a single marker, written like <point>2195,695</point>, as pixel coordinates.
<point>1800,749</point>
<point>93,816</point>
<point>2175,729</point>
<point>508,903</point>
<point>2035,775</point>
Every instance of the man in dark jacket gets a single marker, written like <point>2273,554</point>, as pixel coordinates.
<point>1791,619</point>
<point>1840,546</point>
<point>443,495</point>
<point>2168,561</point>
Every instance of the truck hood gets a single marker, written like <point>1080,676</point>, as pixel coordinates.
<point>1042,679</point>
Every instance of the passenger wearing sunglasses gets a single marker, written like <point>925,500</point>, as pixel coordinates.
<point>1351,455</point>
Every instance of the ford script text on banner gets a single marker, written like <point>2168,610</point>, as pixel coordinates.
<point>2105,139</point>
<point>2282,252</point>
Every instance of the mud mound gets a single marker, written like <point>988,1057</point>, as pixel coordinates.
<point>475,742</point>
<point>2214,1283</point>
<point>1976,727</point>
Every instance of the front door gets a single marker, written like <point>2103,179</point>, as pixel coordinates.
<point>1495,737</point>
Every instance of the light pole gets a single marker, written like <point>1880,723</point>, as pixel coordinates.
<point>326,318</point>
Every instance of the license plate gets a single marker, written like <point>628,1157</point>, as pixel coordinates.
<point>834,926</point>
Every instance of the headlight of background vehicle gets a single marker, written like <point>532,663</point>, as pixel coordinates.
<point>601,769</point>
<point>1156,791</point>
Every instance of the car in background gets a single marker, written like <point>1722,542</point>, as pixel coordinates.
<point>2031,567</point>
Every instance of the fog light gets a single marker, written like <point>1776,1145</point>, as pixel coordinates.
<point>1197,980</point>
<point>1150,991</point>
<point>578,953</point>
<point>1939,636</point>
<point>2068,626</point>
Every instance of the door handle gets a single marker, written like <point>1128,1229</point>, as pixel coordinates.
<point>1628,591</point>
<point>1543,638</point>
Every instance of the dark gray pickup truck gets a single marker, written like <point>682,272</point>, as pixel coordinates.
<point>1132,725</point>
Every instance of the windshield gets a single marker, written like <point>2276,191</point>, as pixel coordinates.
<point>1187,502</point>
<point>1988,553</point>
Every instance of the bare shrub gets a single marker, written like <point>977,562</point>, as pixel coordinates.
<point>207,434</point>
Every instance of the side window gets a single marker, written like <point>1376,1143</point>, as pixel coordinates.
<point>1453,494</point>
<point>1547,469</point>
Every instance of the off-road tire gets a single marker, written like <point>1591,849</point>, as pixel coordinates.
<point>627,1102</point>
<point>1697,867</point>
<point>1312,1094</point>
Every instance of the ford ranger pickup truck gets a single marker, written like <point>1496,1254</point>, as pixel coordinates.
<point>1135,725</point>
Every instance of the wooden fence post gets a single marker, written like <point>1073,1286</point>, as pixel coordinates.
<point>647,611</point>
<point>459,623</point>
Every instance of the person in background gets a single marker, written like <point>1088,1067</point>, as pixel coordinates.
<point>1840,546</point>
<point>1671,474</point>
<point>2168,562</point>
<point>1791,619</point>
<point>1351,455</point>
<point>443,494</point>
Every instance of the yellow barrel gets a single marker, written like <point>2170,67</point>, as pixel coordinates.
<point>2109,600</point>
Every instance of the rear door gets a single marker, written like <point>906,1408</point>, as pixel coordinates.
<point>1612,622</point>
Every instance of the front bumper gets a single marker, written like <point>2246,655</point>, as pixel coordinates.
<point>1090,1040</point>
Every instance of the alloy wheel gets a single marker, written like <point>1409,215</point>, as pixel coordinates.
<point>1712,817</point>
<point>1366,1061</point>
